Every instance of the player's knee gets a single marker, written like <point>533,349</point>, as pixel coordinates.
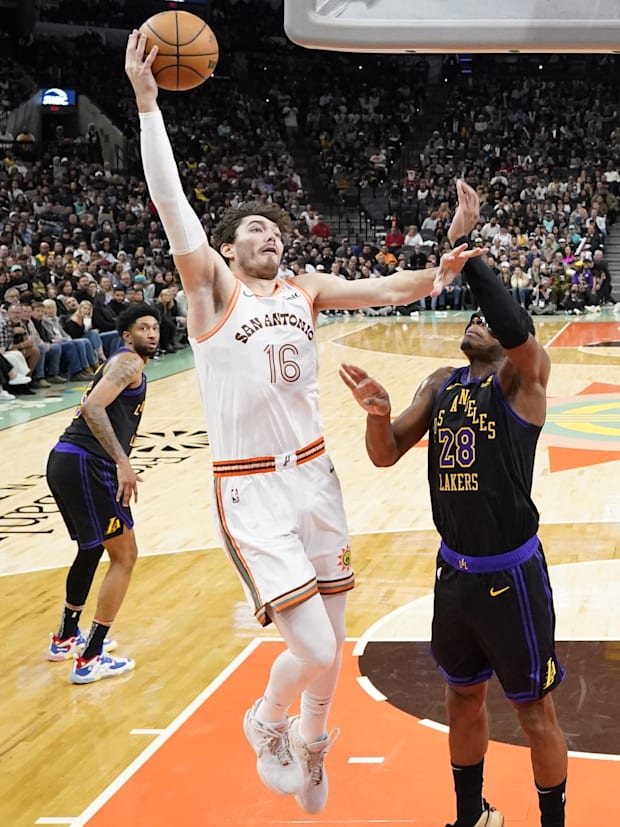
<point>537,719</point>
<point>123,552</point>
<point>465,703</point>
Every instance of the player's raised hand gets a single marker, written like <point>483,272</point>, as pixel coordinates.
<point>452,264</point>
<point>368,393</point>
<point>467,213</point>
<point>138,69</point>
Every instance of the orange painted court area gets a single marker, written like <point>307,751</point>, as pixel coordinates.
<point>578,334</point>
<point>204,774</point>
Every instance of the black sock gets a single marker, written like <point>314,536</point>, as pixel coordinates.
<point>69,623</point>
<point>468,788</point>
<point>551,801</point>
<point>96,636</point>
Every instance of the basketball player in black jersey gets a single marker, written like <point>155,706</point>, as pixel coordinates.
<point>493,608</point>
<point>89,474</point>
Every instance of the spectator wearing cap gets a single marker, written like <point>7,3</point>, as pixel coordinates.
<point>123,259</point>
<point>141,282</point>
<point>284,271</point>
<point>20,279</point>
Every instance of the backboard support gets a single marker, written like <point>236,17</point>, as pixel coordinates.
<point>455,26</point>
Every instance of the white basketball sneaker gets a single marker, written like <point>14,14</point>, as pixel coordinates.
<point>489,818</point>
<point>278,768</point>
<point>313,796</point>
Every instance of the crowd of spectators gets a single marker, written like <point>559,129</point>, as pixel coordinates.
<point>79,239</point>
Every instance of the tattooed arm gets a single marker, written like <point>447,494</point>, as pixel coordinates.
<point>123,371</point>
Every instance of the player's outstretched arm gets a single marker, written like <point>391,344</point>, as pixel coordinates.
<point>199,266</point>
<point>525,374</point>
<point>403,287</point>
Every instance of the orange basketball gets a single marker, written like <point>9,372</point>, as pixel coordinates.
<point>188,49</point>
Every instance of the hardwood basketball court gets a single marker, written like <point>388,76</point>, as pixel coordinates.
<point>164,745</point>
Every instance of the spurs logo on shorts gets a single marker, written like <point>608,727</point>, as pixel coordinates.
<point>344,558</point>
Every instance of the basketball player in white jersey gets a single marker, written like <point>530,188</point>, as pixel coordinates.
<point>277,499</point>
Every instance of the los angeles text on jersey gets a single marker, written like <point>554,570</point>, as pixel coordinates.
<point>273,320</point>
<point>458,428</point>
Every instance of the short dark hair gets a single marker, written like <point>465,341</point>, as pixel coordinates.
<point>226,229</point>
<point>130,316</point>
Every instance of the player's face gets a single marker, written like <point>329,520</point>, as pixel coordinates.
<point>479,339</point>
<point>257,248</point>
<point>143,336</point>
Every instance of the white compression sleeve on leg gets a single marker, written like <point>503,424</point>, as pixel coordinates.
<point>182,225</point>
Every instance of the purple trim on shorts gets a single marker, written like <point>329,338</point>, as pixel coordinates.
<point>88,496</point>
<point>529,630</point>
<point>69,448</point>
<point>490,563</point>
<point>472,680</point>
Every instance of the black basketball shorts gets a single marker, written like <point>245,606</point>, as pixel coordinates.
<point>84,487</point>
<point>502,622</point>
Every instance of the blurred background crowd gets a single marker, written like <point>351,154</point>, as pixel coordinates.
<point>362,150</point>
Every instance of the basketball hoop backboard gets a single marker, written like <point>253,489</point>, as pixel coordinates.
<point>452,26</point>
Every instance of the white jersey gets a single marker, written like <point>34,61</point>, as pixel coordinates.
<point>258,375</point>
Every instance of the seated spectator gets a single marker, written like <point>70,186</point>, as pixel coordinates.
<point>50,351</point>
<point>5,371</point>
<point>574,301</point>
<point>78,370</point>
<point>394,238</point>
<point>79,324</point>
<point>15,371</point>
<point>413,237</point>
<point>521,287</point>
<point>542,303</point>
<point>13,338</point>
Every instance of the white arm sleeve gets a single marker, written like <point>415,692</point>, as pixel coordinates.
<point>182,225</point>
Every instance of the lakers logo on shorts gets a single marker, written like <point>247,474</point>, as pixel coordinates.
<point>113,525</point>
<point>344,558</point>
<point>550,673</point>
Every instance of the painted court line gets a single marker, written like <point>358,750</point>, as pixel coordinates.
<point>433,725</point>
<point>557,335</point>
<point>127,773</point>
<point>366,760</point>
<point>370,689</point>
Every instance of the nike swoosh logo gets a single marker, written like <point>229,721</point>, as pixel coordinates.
<point>496,592</point>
